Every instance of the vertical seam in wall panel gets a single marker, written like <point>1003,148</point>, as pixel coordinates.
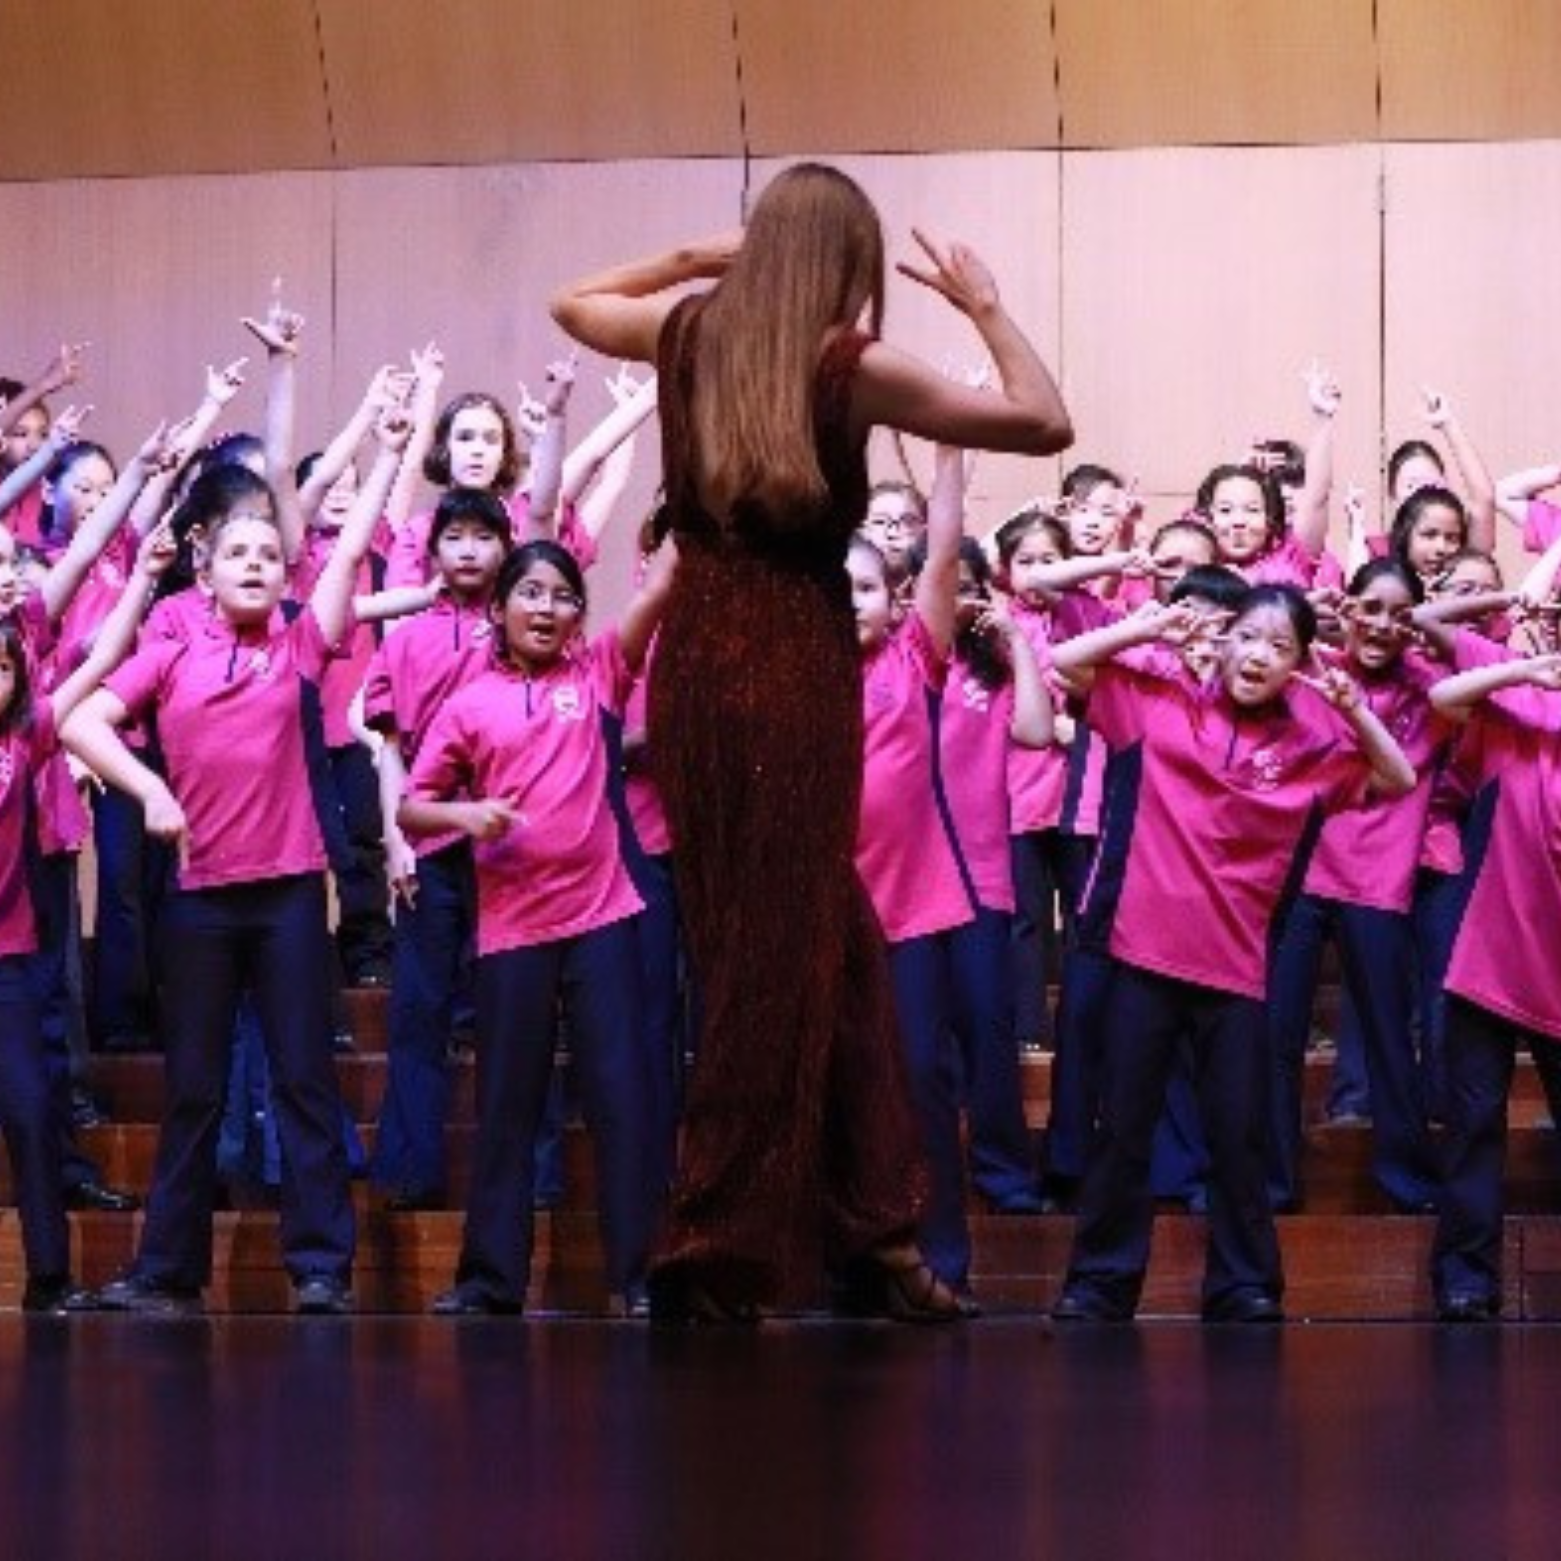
<point>1062,195</point>
<point>333,214</point>
<point>1382,253</point>
<point>742,113</point>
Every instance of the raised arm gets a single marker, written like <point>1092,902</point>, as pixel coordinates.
<point>1310,521</point>
<point>1514,491</point>
<point>1455,697</point>
<point>1026,415</point>
<point>63,369</point>
<point>116,637</point>
<point>423,407</point>
<point>937,586</point>
<point>1392,775</point>
<point>1076,659</point>
<point>1477,483</point>
<point>65,430</point>
<point>94,534</point>
<point>619,312</point>
<point>331,600</point>
<point>387,386</point>
<point>633,403</point>
<point>637,627</point>
<point>547,449</point>
<point>279,333</point>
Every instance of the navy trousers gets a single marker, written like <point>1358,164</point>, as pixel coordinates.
<point>1049,873</point>
<point>29,1126</point>
<point>662,1013</point>
<point>1481,1050</point>
<point>133,878</point>
<point>1149,1017</point>
<point>1002,1164</point>
<point>363,933</point>
<point>1437,912</point>
<point>432,939</point>
<point>270,937</point>
<point>597,975</point>
<point>1377,951</point>
<point>922,972</point>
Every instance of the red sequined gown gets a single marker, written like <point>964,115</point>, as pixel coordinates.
<point>800,1141</point>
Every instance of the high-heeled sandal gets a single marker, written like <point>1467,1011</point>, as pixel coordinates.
<point>678,1297</point>
<point>896,1283</point>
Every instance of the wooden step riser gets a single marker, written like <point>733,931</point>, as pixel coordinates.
<point>1336,1167</point>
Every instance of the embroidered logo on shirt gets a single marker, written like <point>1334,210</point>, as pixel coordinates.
<point>976,695</point>
<point>1265,769</point>
<point>260,666</point>
<point>481,630</point>
<point>566,704</point>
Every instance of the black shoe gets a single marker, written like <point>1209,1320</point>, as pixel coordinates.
<point>1076,1305</point>
<point>322,1296</point>
<point>1250,1306</point>
<point>470,1303</point>
<point>148,1299</point>
<point>58,1297</point>
<point>101,1198</point>
<point>85,1111</point>
<point>1467,1306</point>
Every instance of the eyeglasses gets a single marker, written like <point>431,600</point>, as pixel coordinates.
<point>533,596</point>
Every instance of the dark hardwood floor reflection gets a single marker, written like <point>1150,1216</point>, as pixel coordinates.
<point>402,1437</point>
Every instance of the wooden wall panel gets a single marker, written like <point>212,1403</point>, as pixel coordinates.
<point>898,75</point>
<point>1196,72</point>
<point>483,81</point>
<point>469,257</point>
<point>1198,285</point>
<point>166,86</point>
<point>1005,206</point>
<point>156,275</point>
<point>1474,296</point>
<point>1475,70</point>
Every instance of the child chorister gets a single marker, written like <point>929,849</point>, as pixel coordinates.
<point>518,762</point>
<point>1502,982</point>
<point>1224,785</point>
<point>230,707</point>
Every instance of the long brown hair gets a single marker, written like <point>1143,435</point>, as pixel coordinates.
<point>811,262</point>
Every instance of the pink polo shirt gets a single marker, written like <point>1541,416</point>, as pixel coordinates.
<point>1286,563</point>
<point>1081,612</point>
<point>1037,777</point>
<point>1199,851</point>
<point>229,711</point>
<point>973,738</point>
<point>537,743</point>
<point>643,800</point>
<point>1541,525</point>
<point>345,673</point>
<point>1368,855</point>
<point>22,753</point>
<point>903,852</point>
<point>24,519</point>
<point>1504,958</point>
<point>407,562</point>
<point>416,670</point>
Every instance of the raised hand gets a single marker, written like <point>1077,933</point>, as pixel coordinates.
<point>558,383</point>
<point>1332,682</point>
<point>623,386</point>
<point>530,414</point>
<point>1322,390</point>
<point>64,368</point>
<point>66,429</point>
<point>428,365</point>
<point>958,273</point>
<point>393,427</point>
<point>222,385</point>
<point>158,549</point>
<point>1438,410</point>
<point>281,328</point>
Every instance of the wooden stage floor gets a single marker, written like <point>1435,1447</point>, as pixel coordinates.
<point>391,1437</point>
